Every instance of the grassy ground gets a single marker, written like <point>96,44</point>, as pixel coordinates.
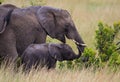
<point>86,15</point>
<point>85,75</point>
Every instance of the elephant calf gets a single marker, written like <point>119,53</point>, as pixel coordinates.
<point>46,55</point>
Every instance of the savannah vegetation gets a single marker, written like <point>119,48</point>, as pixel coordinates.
<point>98,22</point>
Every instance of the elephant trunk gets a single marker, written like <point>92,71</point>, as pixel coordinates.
<point>79,42</point>
<point>79,52</point>
<point>76,56</point>
<point>74,36</point>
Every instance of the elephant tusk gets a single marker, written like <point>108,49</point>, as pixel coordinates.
<point>75,42</point>
<point>79,43</point>
<point>83,44</point>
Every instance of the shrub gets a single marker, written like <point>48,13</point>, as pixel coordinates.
<point>114,59</point>
<point>105,37</point>
<point>106,45</point>
<point>88,57</point>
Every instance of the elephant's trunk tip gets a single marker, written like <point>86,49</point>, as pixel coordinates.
<point>79,51</point>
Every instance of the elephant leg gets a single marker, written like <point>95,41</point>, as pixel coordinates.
<point>52,63</point>
<point>52,66</point>
<point>27,65</point>
<point>11,54</point>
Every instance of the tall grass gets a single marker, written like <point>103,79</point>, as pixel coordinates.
<point>85,75</point>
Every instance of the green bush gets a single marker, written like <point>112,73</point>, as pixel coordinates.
<point>106,45</point>
<point>114,59</point>
<point>90,54</point>
<point>104,41</point>
<point>105,37</point>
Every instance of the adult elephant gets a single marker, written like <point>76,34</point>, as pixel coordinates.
<point>31,25</point>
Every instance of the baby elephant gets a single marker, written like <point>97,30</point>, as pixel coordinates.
<point>46,55</point>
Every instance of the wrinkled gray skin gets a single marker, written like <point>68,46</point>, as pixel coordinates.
<point>7,37</point>
<point>46,55</point>
<point>24,26</point>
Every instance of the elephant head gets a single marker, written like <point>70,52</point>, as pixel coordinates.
<point>5,13</point>
<point>58,23</point>
<point>62,52</point>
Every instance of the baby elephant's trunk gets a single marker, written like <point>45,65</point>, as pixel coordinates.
<point>76,56</point>
<point>79,52</point>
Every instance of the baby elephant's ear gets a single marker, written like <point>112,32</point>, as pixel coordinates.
<point>54,50</point>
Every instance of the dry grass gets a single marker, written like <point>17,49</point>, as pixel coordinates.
<point>86,14</point>
<point>85,75</point>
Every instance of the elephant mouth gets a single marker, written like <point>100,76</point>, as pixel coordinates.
<point>61,38</point>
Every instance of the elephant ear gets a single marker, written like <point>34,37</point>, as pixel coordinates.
<point>4,18</point>
<point>54,51</point>
<point>47,18</point>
